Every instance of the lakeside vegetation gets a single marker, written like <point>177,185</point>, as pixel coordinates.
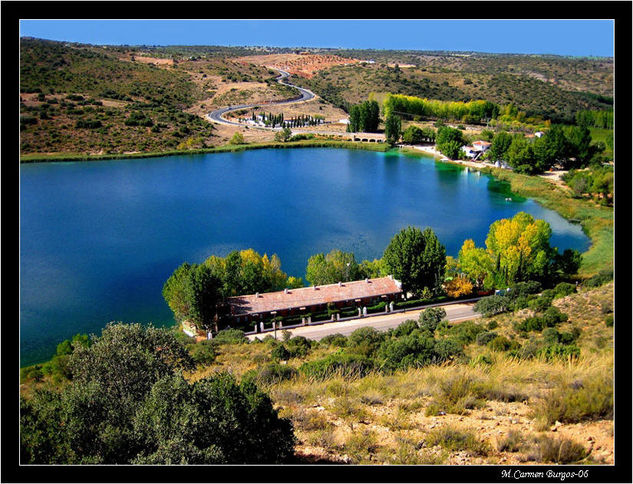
<point>309,143</point>
<point>517,250</point>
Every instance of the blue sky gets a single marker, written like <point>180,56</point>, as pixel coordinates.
<point>561,37</point>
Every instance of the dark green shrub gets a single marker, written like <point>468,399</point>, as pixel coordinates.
<point>128,403</point>
<point>553,316</point>
<point>540,304</point>
<point>609,321</point>
<point>567,338</point>
<point>230,336</point>
<point>334,340</point>
<point>343,364</point>
<point>491,305</point>
<point>492,325</point>
<point>599,279</point>
<point>430,318</point>
<point>203,353</point>
<point>405,328</point>
<point>485,337</point>
<point>365,341</point>
<point>464,332</point>
<point>551,336</point>
<point>378,308</point>
<point>499,343</point>
<point>523,289</point>
<point>280,352</point>
<point>564,289</point>
<point>270,374</point>
<point>414,349</point>
<point>521,302</point>
<point>448,348</point>
<point>534,323</point>
<point>561,351</point>
<point>298,346</point>
<point>88,123</point>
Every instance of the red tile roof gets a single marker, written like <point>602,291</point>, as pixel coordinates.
<point>311,296</point>
<point>482,143</point>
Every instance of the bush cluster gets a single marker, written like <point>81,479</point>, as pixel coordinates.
<point>599,279</point>
<point>550,318</point>
<point>128,403</point>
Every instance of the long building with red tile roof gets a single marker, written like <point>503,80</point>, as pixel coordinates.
<point>308,299</point>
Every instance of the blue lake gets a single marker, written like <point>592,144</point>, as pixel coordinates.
<point>99,239</point>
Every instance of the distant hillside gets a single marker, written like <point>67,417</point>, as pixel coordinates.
<point>77,98</point>
<point>549,86</point>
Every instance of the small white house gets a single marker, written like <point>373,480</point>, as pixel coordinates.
<point>470,151</point>
<point>538,134</point>
<point>481,145</point>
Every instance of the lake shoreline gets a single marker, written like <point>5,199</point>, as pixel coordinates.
<point>76,157</point>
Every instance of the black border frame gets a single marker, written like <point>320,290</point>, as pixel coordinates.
<point>12,11</point>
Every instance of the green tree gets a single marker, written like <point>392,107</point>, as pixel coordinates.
<point>393,127</point>
<point>499,146</point>
<point>175,293</point>
<point>336,266</point>
<point>521,250</point>
<point>283,135</point>
<point>579,147</point>
<point>237,139</point>
<point>475,262</point>
<point>520,156</point>
<point>129,403</point>
<point>364,117</point>
<point>413,135</point>
<point>430,318</point>
<point>372,269</point>
<point>449,141</point>
<point>417,259</point>
<point>203,290</point>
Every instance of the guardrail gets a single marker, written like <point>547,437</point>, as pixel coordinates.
<point>352,318</point>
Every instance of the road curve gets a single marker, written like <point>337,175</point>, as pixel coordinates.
<point>382,322</point>
<point>217,115</point>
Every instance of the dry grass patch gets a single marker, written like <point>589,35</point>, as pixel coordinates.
<point>556,450</point>
<point>454,439</point>
<point>588,398</point>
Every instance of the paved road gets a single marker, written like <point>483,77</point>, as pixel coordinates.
<point>454,313</point>
<point>216,116</point>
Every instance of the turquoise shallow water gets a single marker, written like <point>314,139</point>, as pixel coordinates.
<point>99,239</point>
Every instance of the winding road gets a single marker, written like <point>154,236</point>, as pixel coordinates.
<point>216,116</point>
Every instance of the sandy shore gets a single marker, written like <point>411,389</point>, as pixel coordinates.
<point>432,151</point>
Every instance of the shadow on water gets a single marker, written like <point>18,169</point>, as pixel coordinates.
<point>503,188</point>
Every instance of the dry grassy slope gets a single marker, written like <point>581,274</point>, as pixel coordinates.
<point>387,418</point>
<point>555,93</point>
